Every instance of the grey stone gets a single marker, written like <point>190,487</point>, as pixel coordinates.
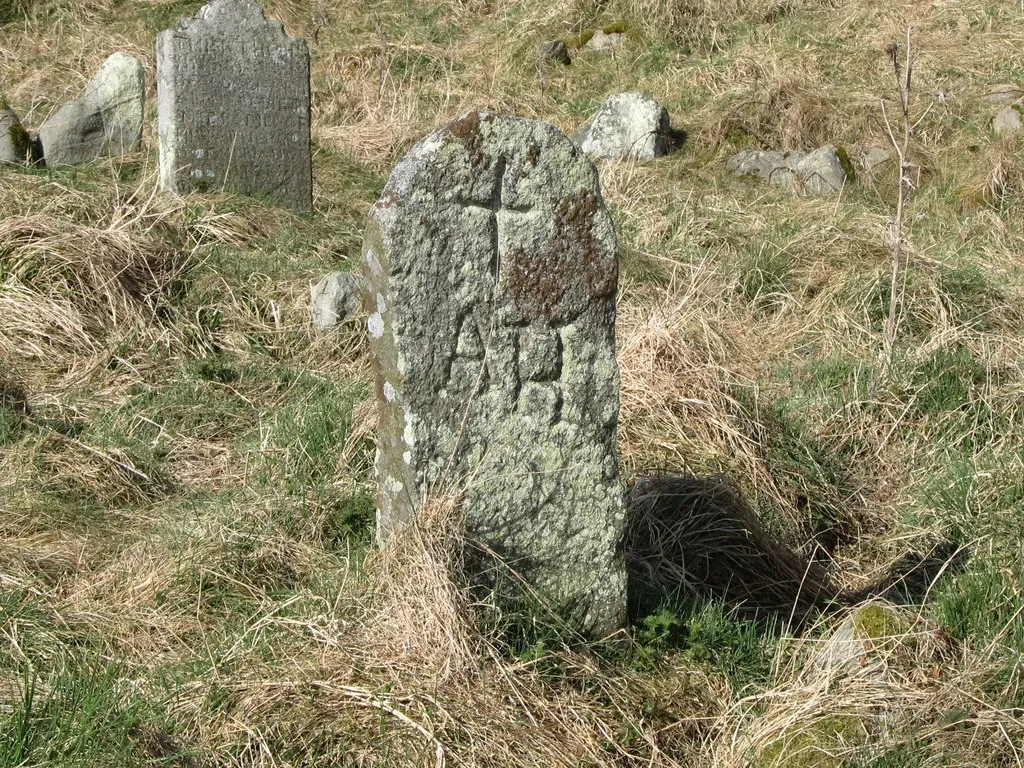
<point>105,121</point>
<point>776,167</point>
<point>628,125</point>
<point>816,173</point>
<point>233,105</point>
<point>1004,93</point>
<point>601,41</point>
<point>557,51</point>
<point>14,141</point>
<point>1008,120</point>
<point>491,263</point>
<point>336,298</point>
<point>821,171</point>
<point>875,158</point>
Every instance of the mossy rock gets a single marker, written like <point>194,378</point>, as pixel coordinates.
<point>580,40</point>
<point>818,744</point>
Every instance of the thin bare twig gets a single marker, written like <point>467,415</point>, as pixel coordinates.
<point>903,73</point>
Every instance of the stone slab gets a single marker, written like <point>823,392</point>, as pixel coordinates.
<point>492,273</point>
<point>233,105</point>
<point>105,121</point>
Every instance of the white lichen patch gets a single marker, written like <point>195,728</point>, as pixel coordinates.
<point>375,325</point>
<point>409,434</point>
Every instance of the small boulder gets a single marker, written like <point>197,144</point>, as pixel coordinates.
<point>628,125</point>
<point>816,173</point>
<point>602,41</point>
<point>822,171</point>
<point>15,145</point>
<point>336,298</point>
<point>1004,93</point>
<point>1008,120</point>
<point>105,121</point>
<point>875,158</point>
<point>557,51</point>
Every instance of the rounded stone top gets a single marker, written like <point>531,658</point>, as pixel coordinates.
<point>232,10</point>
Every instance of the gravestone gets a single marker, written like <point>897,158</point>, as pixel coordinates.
<point>233,105</point>
<point>491,269</point>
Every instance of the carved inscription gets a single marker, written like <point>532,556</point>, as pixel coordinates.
<point>233,105</point>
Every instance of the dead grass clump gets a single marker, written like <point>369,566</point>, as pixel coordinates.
<point>407,673</point>
<point>67,287</point>
<point>872,682</point>
<point>786,112</point>
<point>107,476</point>
<point>680,359</point>
<point>996,177</point>
<point>705,25</point>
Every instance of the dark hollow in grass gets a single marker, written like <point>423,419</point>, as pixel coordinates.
<point>698,535</point>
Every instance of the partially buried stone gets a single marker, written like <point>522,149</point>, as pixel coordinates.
<point>822,171</point>
<point>1004,93</point>
<point>557,51</point>
<point>336,298</point>
<point>1008,121</point>
<point>876,158</point>
<point>233,105</point>
<point>816,173</point>
<point>105,121</point>
<point>14,141</point>
<point>602,40</point>
<point>628,125</point>
<point>491,268</point>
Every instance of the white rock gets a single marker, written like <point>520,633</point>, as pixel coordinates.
<point>336,298</point>
<point>1008,120</point>
<point>628,125</point>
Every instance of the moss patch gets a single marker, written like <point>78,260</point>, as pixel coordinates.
<point>875,622</point>
<point>19,137</point>
<point>816,745</point>
<point>844,160</point>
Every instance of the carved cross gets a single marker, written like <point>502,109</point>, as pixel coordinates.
<point>496,212</point>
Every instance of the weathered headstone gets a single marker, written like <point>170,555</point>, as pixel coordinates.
<point>105,121</point>
<point>233,105</point>
<point>492,273</point>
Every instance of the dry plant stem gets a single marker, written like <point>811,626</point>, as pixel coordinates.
<point>903,75</point>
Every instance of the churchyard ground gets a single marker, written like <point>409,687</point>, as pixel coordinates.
<point>187,576</point>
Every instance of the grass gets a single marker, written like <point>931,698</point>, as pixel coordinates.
<point>187,571</point>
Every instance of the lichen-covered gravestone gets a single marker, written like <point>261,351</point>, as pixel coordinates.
<point>233,105</point>
<point>492,273</point>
